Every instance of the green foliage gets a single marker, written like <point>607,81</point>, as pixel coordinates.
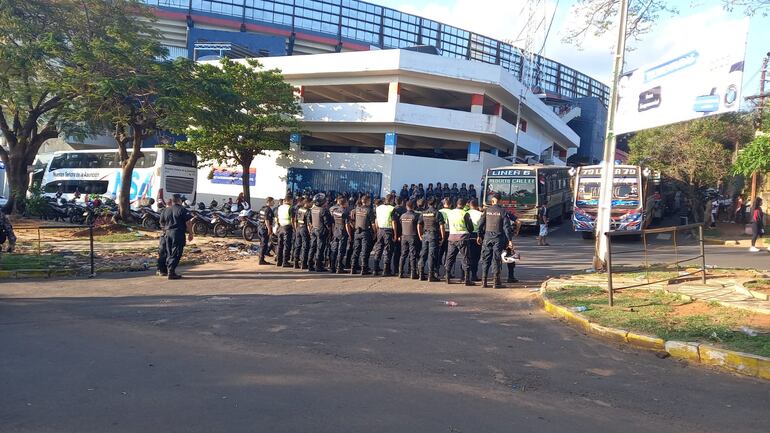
<point>234,111</point>
<point>754,157</point>
<point>34,204</point>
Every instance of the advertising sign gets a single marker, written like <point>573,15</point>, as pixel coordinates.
<point>698,79</point>
<point>229,176</point>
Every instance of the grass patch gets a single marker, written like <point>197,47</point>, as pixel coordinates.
<point>758,284</point>
<point>666,316</point>
<point>13,262</point>
<point>118,237</point>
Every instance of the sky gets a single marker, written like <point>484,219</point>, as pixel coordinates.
<point>504,19</point>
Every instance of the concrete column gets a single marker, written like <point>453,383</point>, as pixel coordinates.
<point>477,103</point>
<point>474,151</point>
<point>391,140</point>
<point>394,92</point>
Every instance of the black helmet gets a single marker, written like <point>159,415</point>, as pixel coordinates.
<point>319,199</point>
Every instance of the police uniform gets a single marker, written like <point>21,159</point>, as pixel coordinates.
<point>474,249</point>
<point>384,243</point>
<point>6,233</point>
<point>396,254</point>
<point>301,238</point>
<point>460,227</point>
<point>431,221</point>
<point>320,220</point>
<point>285,215</point>
<point>495,230</point>
<point>362,239</point>
<point>410,243</point>
<point>444,242</point>
<point>265,221</point>
<point>339,244</point>
<point>162,254</point>
<point>174,220</point>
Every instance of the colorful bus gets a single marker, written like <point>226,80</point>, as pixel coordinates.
<point>628,201</point>
<point>158,174</point>
<point>523,188</point>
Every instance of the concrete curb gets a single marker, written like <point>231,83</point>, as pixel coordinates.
<point>692,352</point>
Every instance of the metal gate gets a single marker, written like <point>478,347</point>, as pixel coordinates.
<point>335,181</point>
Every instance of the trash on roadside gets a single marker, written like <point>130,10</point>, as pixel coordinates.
<point>451,303</point>
<point>748,331</point>
<point>711,266</point>
<point>590,271</point>
<point>580,308</point>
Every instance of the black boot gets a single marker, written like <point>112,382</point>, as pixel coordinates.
<point>423,277</point>
<point>414,274</point>
<point>468,281</point>
<point>497,284</point>
<point>511,279</point>
<point>448,278</point>
<point>432,278</point>
<point>484,282</point>
<point>263,262</point>
<point>366,272</point>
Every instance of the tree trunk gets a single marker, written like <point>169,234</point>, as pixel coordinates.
<point>245,166</point>
<point>127,172</point>
<point>18,180</point>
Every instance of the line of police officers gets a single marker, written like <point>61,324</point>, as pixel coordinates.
<point>402,233</point>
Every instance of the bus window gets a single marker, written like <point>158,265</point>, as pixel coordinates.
<point>500,186</point>
<point>184,159</point>
<point>82,186</point>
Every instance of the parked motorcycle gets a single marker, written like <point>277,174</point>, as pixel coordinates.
<point>224,225</point>
<point>249,225</point>
<point>201,222</point>
<point>150,218</point>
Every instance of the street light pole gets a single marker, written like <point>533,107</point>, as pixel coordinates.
<point>608,163</point>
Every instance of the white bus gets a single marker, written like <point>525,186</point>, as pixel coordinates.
<point>158,174</point>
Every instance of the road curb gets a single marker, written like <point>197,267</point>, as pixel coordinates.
<point>696,353</point>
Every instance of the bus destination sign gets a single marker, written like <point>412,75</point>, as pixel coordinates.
<point>510,172</point>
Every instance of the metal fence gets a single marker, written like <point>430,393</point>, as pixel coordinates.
<point>645,250</point>
<point>41,237</point>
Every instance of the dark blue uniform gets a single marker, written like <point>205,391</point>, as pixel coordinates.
<point>320,221</point>
<point>265,221</point>
<point>431,220</point>
<point>301,238</point>
<point>495,230</point>
<point>363,216</point>
<point>410,243</point>
<point>174,220</point>
<point>339,244</point>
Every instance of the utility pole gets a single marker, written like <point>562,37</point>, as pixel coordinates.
<point>608,163</point>
<point>762,96</point>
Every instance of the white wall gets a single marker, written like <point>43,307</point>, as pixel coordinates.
<point>396,170</point>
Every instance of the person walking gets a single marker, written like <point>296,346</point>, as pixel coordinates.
<point>341,233</point>
<point>320,220</point>
<point>285,213</point>
<point>364,229</point>
<point>265,229</point>
<point>714,211</point>
<point>410,241</point>
<point>496,232</point>
<point>542,219</point>
<point>6,234</point>
<point>430,229</point>
<point>474,247</point>
<point>460,227</point>
<point>386,229</point>
<point>757,224</point>
<point>175,220</point>
<point>738,212</point>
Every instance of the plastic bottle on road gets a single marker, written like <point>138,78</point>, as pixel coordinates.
<point>451,303</point>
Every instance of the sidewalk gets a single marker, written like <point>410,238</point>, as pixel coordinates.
<point>724,293</point>
<point>732,235</point>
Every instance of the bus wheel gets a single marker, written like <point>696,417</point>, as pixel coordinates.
<point>249,232</point>
<point>587,235</point>
<point>220,230</point>
<point>200,228</point>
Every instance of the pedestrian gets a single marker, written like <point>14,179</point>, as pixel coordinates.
<point>265,229</point>
<point>496,232</point>
<point>714,211</point>
<point>301,234</point>
<point>431,232</point>
<point>175,220</point>
<point>320,221</point>
<point>757,224</point>
<point>364,228</point>
<point>542,220</point>
<point>341,233</point>
<point>386,230</point>
<point>6,234</point>
<point>738,212</point>
<point>285,215</point>
<point>707,214</point>
<point>460,227</point>
<point>410,241</point>
<point>474,248</point>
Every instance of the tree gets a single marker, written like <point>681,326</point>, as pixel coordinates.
<point>235,111</point>
<point>750,7</point>
<point>600,16</point>
<point>755,157</point>
<point>696,153</point>
<point>129,90</point>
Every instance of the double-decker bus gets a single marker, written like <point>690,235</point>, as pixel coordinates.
<point>158,174</point>
<point>523,188</point>
<point>628,203</point>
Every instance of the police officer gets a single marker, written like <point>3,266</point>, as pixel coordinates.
<point>444,211</point>
<point>353,202</point>
<point>410,240</point>
<point>386,229</point>
<point>175,220</point>
<point>341,233</point>
<point>431,231</point>
<point>396,254</point>
<point>320,220</point>
<point>495,234</point>
<point>301,234</point>
<point>6,233</point>
<point>265,229</point>
<point>364,229</point>
<point>460,228</point>
<point>474,248</point>
<point>285,213</point>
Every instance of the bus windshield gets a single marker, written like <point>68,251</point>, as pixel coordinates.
<point>625,193</point>
<point>514,191</point>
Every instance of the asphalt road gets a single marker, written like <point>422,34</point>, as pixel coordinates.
<point>236,347</point>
